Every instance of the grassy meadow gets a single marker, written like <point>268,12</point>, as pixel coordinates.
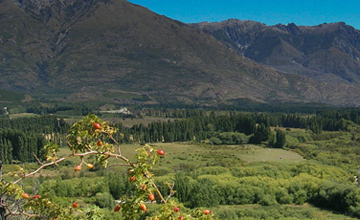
<point>180,156</point>
<point>311,177</point>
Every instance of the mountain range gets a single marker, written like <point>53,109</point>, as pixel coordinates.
<point>84,50</point>
<point>326,51</point>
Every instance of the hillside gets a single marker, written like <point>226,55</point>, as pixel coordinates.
<point>76,50</point>
<point>327,52</point>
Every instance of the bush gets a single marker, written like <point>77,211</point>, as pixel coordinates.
<point>215,141</point>
<point>203,194</point>
<point>104,200</point>
<point>292,142</point>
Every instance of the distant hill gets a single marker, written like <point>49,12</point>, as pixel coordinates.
<point>327,52</point>
<point>83,50</point>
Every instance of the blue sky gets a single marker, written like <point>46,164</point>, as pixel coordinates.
<point>270,12</point>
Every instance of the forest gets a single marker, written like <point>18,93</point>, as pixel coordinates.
<point>212,161</point>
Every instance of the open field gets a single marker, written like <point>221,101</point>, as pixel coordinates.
<point>23,115</point>
<point>180,156</point>
<point>256,154</point>
<point>203,154</point>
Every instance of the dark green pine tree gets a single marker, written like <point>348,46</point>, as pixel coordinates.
<point>262,133</point>
<point>280,139</point>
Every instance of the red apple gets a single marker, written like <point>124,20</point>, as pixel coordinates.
<point>117,208</point>
<point>90,166</point>
<point>151,197</point>
<point>25,195</point>
<point>97,125</point>
<point>206,211</point>
<point>77,168</point>
<point>161,152</point>
<point>143,207</point>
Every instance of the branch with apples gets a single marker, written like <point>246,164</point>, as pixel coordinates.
<point>92,136</point>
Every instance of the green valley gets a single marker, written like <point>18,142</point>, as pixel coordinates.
<point>313,175</point>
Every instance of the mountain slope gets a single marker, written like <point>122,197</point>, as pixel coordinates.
<point>87,49</point>
<point>330,52</point>
<point>72,45</point>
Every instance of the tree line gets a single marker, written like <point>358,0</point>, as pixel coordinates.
<point>189,125</point>
<point>23,137</point>
<point>46,124</point>
<point>218,126</point>
<point>19,146</point>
